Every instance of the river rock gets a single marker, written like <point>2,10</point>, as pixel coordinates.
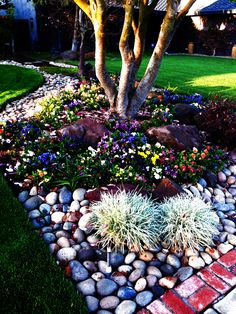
<point>152,270</point>
<point>139,264</point>
<point>126,293</point>
<point>74,206</point>
<point>116,259</point>
<point>161,256</point>
<point>144,298</point>
<point>184,273</point>
<point>92,303</point>
<point>221,176</point>
<point>85,222</point>
<point>65,255</point>
<point>167,270</point>
<point>126,307</point>
<point>232,239</point>
<point>223,248</point>
<point>45,209</point>
<point>173,261</point>
<point>206,257</point>
<point>168,282</point>
<point>97,276</point>
<point>51,198</point>
<point>23,196</point>
<point>119,278</point>
<point>78,195</point>
<point>126,269</point>
<point>33,203</point>
<point>227,222</point>
<point>146,256</point>
<point>140,284</point>
<point>65,196</point>
<point>106,287</point>
<point>130,257</point>
<point>195,191</point>
<point>34,214</point>
<point>63,242</point>
<point>78,271</point>
<point>136,274</point>
<point>151,280</point>
<point>86,287</point>
<point>49,237</point>
<point>109,303</point>
<point>57,217</point>
<point>196,262</point>
<point>230,229</point>
<point>67,226</point>
<point>53,248</point>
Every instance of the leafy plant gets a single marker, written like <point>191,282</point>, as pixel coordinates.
<point>186,222</point>
<point>125,219</point>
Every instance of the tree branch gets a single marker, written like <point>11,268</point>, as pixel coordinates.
<point>84,6</point>
<point>185,9</point>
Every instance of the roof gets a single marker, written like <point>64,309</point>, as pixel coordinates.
<point>201,8</point>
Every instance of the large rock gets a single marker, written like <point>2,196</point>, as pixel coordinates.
<point>87,131</point>
<point>166,188</point>
<point>95,194</point>
<point>180,137</point>
<point>185,113</point>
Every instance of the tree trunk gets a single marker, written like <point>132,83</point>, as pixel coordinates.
<point>82,43</point>
<point>74,46</point>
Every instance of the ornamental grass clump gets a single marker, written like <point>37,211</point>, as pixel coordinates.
<point>125,220</point>
<point>186,222</point>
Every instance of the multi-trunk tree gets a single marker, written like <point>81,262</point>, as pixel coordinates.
<point>127,98</point>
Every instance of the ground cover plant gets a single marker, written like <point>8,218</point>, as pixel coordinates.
<point>17,81</point>
<point>30,277</point>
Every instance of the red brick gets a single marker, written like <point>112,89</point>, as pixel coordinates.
<point>213,281</point>
<point>223,273</point>
<point>157,307</point>
<point>176,304</point>
<point>189,286</point>
<point>229,259</point>
<point>201,299</point>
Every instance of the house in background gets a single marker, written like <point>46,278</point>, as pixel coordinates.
<point>209,27</point>
<point>25,23</point>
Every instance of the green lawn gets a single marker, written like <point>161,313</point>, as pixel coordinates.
<point>16,81</point>
<point>31,281</point>
<point>191,74</point>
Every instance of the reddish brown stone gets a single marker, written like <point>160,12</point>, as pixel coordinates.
<point>185,113</point>
<point>87,131</point>
<point>180,137</point>
<point>72,217</point>
<point>166,188</point>
<point>95,194</point>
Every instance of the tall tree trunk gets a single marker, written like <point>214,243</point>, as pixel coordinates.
<point>74,46</point>
<point>82,43</point>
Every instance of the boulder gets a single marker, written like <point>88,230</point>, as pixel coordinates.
<point>87,131</point>
<point>185,113</point>
<point>179,137</point>
<point>69,55</point>
<point>95,194</point>
<point>166,188</point>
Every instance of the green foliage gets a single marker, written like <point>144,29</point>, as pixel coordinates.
<point>31,280</point>
<point>17,81</point>
<point>125,219</point>
<point>186,222</point>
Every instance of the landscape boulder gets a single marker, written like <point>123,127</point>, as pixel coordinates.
<point>179,137</point>
<point>87,131</point>
<point>165,189</point>
<point>185,113</point>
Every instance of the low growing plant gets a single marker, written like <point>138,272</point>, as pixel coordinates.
<point>186,222</point>
<point>125,219</point>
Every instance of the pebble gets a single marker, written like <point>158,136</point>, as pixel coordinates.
<point>158,291</point>
<point>98,276</point>
<point>38,223</point>
<point>151,280</point>
<point>93,240</point>
<point>168,282</point>
<point>232,191</point>
<point>34,214</point>
<point>102,266</point>
<point>227,222</point>
<point>49,237</point>
<point>219,199</point>
<point>109,303</point>
<point>53,248</point>
<point>196,262</point>
<point>167,270</point>
<point>173,261</point>
<point>224,207</point>
<point>78,271</point>
<point>146,256</point>
<point>78,235</point>
<point>139,264</point>
<point>130,257</point>
<point>92,303</point>
<point>33,191</point>
<point>84,203</point>
<point>85,222</point>
<point>33,203</point>
<point>230,229</point>
<point>78,195</point>
<point>65,255</point>
<point>104,312</point>
<point>195,191</point>
<point>51,198</point>
<point>206,257</point>
<point>74,206</point>
<point>86,287</point>
<point>65,196</point>
<point>119,278</point>
<point>45,209</point>
<point>232,168</point>
<point>222,176</point>
<point>125,269</point>
<point>232,239</point>
<point>140,284</point>
<point>202,182</point>
<point>126,307</point>
<point>219,192</point>
<point>63,242</point>
<point>136,274</point>
<point>199,187</point>
<point>231,180</point>
<point>90,266</point>
<point>116,259</point>
<point>144,298</point>
<point>184,273</point>
<point>126,293</point>
<point>23,196</point>
<point>213,253</point>
<point>62,233</point>
<point>57,217</point>
<point>152,270</point>
<point>67,226</point>
<point>106,287</point>
<point>85,254</point>
<point>223,248</point>
<point>161,256</point>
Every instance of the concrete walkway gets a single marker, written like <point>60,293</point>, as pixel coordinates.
<point>211,291</point>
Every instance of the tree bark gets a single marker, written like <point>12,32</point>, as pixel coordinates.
<point>82,43</point>
<point>74,46</point>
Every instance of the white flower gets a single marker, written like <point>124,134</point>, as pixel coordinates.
<point>103,162</point>
<point>30,153</point>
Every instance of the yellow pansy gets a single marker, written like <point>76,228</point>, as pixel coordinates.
<point>154,159</point>
<point>142,154</point>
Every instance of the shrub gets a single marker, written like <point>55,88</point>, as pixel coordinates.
<point>186,222</point>
<point>125,219</point>
<point>219,121</point>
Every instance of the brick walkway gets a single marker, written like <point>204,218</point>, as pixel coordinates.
<point>211,291</point>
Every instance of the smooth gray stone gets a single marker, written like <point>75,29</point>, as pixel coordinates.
<point>144,298</point>
<point>106,287</point>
